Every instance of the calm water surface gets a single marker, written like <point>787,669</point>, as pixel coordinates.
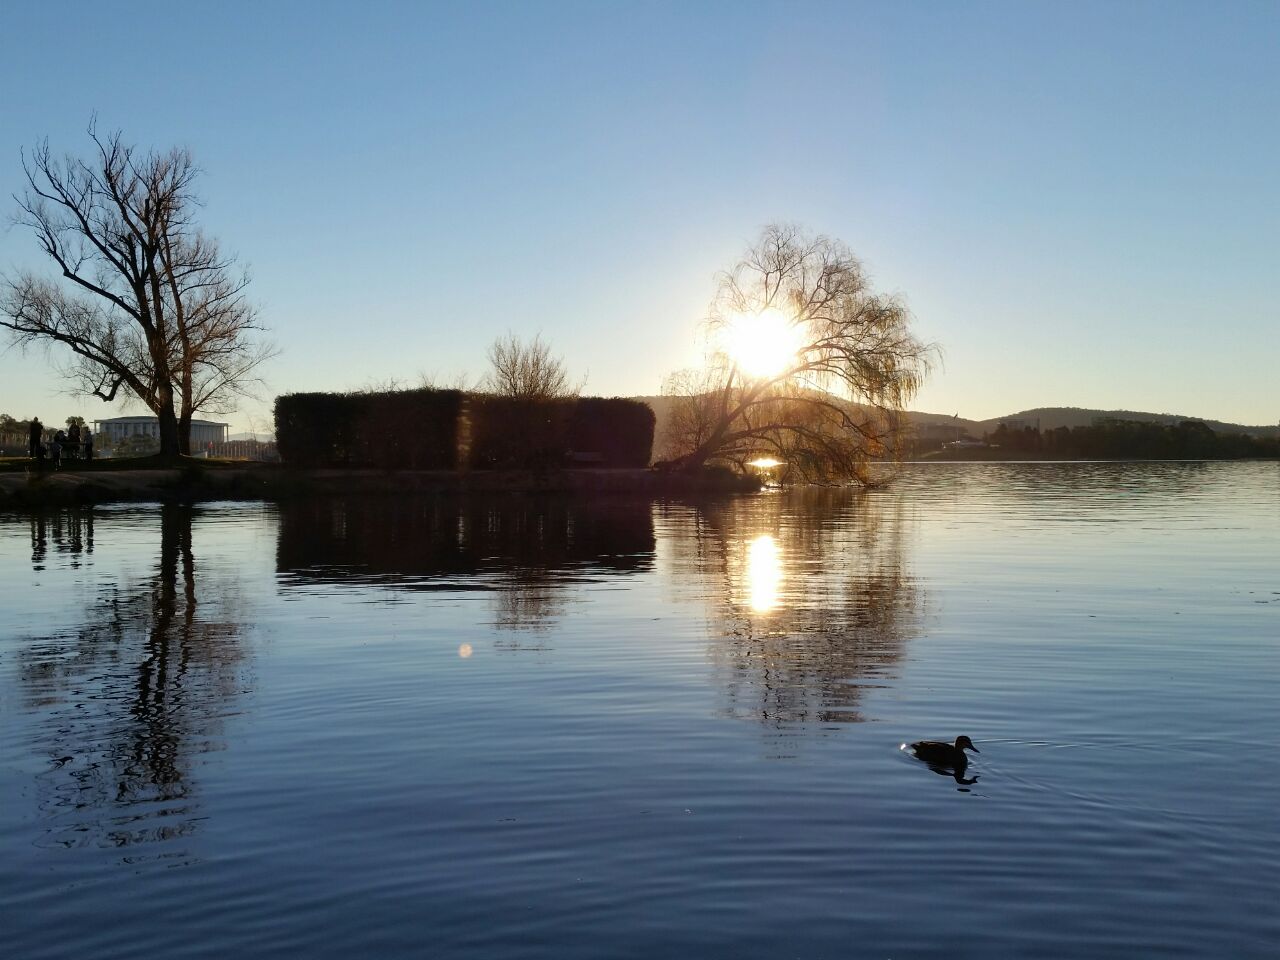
<point>525,728</point>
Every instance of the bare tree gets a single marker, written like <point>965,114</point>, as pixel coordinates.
<point>694,412</point>
<point>145,302</point>
<point>844,364</point>
<point>527,371</point>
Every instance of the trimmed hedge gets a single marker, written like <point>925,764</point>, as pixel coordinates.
<point>583,432</point>
<point>509,434</point>
<point>419,430</point>
<point>404,429</point>
<point>621,431</point>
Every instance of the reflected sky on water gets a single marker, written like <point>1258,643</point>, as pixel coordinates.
<point>530,727</point>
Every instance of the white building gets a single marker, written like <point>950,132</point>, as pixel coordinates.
<point>108,433</point>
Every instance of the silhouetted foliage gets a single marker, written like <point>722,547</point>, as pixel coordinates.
<point>428,429</point>
<point>513,433</point>
<point>584,431</point>
<point>404,429</point>
<point>620,431</point>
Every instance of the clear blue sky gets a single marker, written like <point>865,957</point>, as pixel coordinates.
<point>1080,202</point>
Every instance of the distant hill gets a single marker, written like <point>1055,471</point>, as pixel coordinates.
<point>1048,418</point>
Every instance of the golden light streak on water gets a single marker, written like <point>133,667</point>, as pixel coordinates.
<point>764,573</point>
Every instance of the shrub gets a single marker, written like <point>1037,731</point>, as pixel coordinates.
<point>404,429</point>
<point>621,431</point>
<point>509,433</point>
<point>419,430</point>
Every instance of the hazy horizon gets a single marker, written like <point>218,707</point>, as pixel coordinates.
<point>1078,204</point>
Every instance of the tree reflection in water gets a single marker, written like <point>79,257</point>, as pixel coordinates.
<point>524,550</point>
<point>810,598</point>
<point>132,687</point>
<point>71,531</point>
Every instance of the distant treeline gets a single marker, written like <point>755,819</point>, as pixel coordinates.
<point>1135,440</point>
<point>451,430</point>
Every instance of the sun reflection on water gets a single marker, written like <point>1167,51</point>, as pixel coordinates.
<point>764,573</point>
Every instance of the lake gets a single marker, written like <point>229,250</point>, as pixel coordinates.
<point>590,729</point>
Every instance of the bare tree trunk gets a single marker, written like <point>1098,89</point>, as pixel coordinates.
<point>169,443</point>
<point>184,418</point>
<point>699,457</point>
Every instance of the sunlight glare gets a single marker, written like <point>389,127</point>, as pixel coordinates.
<point>764,463</point>
<point>764,573</point>
<point>763,344</point>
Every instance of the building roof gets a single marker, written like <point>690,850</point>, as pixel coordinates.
<point>203,423</point>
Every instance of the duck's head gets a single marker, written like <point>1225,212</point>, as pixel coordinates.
<point>964,743</point>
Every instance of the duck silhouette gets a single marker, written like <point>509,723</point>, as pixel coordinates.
<point>946,759</point>
<point>942,753</point>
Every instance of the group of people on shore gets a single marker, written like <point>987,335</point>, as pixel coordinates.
<point>75,441</point>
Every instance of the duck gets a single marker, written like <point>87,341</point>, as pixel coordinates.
<point>941,753</point>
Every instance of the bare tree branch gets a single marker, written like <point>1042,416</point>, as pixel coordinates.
<point>527,371</point>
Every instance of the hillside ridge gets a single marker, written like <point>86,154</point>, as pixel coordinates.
<point>1047,418</point>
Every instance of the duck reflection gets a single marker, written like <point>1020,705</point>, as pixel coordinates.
<point>955,773</point>
<point>130,688</point>
<point>524,550</point>
<point>811,603</point>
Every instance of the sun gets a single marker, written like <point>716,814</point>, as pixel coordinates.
<point>762,344</point>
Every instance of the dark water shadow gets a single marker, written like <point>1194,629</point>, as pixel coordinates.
<point>130,691</point>
<point>525,551</point>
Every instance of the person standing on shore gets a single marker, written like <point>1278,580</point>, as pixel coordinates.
<point>34,437</point>
<point>86,440</point>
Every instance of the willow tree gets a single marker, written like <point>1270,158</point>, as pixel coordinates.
<point>806,365</point>
<point>142,301</point>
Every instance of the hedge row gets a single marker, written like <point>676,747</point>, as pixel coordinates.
<point>404,429</point>
<point>621,431</point>
<point>420,430</point>
<point>509,434</point>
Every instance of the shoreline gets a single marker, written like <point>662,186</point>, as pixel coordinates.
<point>199,482</point>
